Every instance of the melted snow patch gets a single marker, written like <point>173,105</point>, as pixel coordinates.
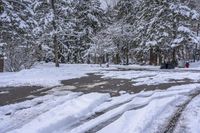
<point>4,92</point>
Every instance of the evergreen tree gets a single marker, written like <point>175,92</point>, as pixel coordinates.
<point>161,24</point>
<point>90,19</point>
<point>15,33</point>
<point>54,26</point>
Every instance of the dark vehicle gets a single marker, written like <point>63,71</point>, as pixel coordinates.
<point>168,65</point>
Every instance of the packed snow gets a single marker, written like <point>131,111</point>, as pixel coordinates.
<point>106,98</point>
<point>46,75</point>
<point>143,120</point>
<point>63,112</point>
<point>15,115</point>
<point>66,113</point>
<point>190,118</point>
<point>153,77</point>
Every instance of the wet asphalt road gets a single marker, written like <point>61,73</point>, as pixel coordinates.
<point>91,83</point>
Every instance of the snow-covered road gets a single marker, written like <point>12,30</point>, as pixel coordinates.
<point>73,112</point>
<point>70,109</point>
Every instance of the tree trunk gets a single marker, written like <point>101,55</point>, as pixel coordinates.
<point>95,58</point>
<point>55,42</point>
<point>151,56</point>
<point>127,55</point>
<point>195,51</point>
<point>56,50</point>
<point>198,25</point>
<point>117,58</point>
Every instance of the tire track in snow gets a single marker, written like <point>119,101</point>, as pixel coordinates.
<point>11,115</point>
<point>101,111</point>
<point>175,118</point>
<point>110,116</point>
<point>97,114</point>
<point>105,119</point>
<point>64,114</point>
<point>104,124</point>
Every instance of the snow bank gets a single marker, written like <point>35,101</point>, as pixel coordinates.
<point>64,111</point>
<point>152,103</point>
<point>15,115</point>
<point>155,116</point>
<point>143,120</point>
<point>114,101</point>
<point>64,114</point>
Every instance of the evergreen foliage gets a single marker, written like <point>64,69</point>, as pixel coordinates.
<point>81,31</point>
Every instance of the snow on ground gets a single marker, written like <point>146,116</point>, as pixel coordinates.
<point>63,111</point>
<point>74,112</point>
<point>174,95</point>
<point>190,118</point>
<point>153,77</point>
<point>195,65</point>
<point>15,115</point>
<point>143,120</point>
<point>114,101</point>
<point>46,74</point>
<point>4,92</point>
<point>139,67</point>
<point>153,117</point>
<point>63,114</point>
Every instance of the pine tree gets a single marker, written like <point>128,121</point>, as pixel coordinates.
<point>15,33</point>
<point>54,27</point>
<point>90,19</point>
<point>161,24</point>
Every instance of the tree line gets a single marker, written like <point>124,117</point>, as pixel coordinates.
<point>80,31</point>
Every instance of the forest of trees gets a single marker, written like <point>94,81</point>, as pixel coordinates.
<point>81,31</point>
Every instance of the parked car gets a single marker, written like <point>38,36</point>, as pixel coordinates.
<point>168,65</point>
